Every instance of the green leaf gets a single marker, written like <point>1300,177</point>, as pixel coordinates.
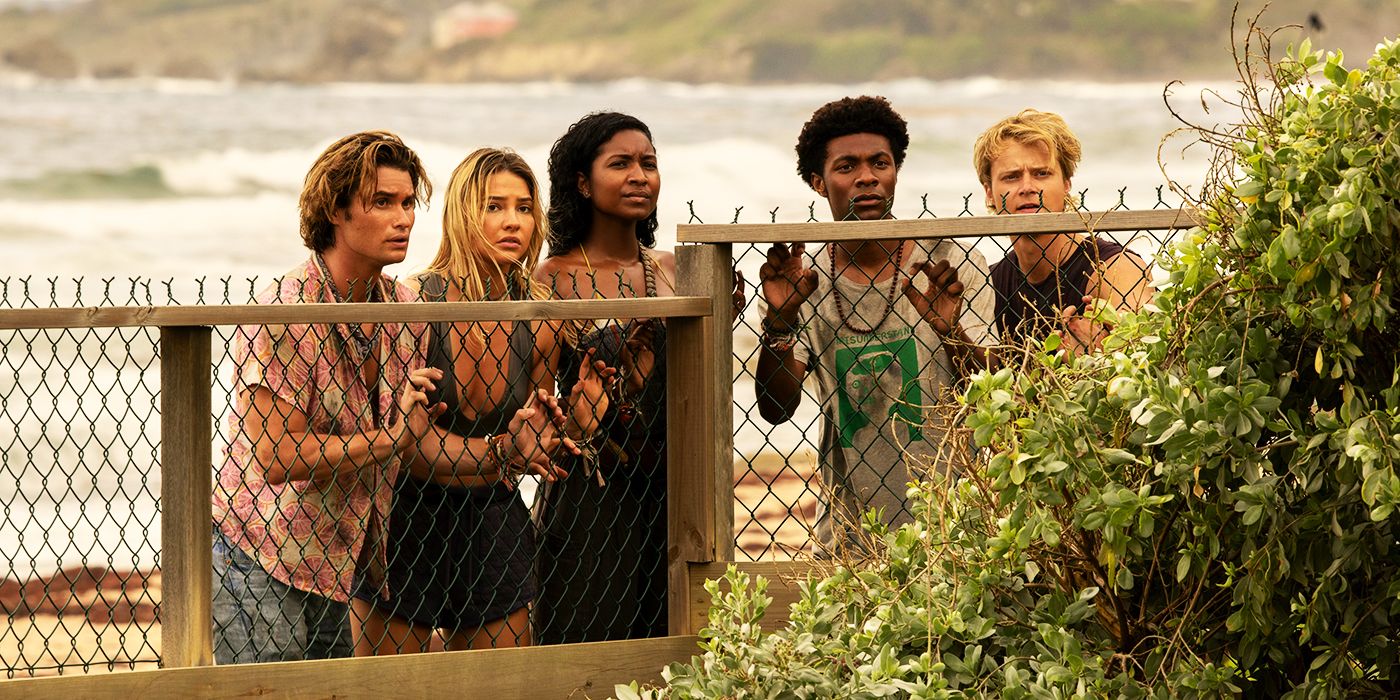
<point>1117,456</point>
<point>1252,515</point>
<point>1335,73</point>
<point>1249,189</point>
<point>1125,579</point>
<point>1340,210</point>
<point>1371,486</point>
<point>1290,242</point>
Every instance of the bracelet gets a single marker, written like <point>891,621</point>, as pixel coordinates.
<point>779,339</point>
<point>496,453</point>
<point>770,326</point>
<point>779,343</point>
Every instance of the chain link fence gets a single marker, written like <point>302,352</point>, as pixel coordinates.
<point>579,559</point>
<point>81,523</point>
<point>866,400</point>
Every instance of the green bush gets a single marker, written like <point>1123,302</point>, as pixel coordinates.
<point>1204,509</point>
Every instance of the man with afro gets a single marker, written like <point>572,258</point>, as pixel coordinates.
<point>882,345</point>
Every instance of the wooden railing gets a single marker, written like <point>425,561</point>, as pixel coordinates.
<point>952,227</point>
<point>694,356</point>
<point>784,576</point>
<point>700,463</point>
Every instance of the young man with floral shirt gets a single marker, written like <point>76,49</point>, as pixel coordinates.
<point>324,415</point>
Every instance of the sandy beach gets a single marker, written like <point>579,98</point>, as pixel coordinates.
<point>95,620</point>
<point>81,620</point>
<point>775,505</point>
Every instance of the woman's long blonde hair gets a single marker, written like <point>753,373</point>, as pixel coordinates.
<point>463,215</point>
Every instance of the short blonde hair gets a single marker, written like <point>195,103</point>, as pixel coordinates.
<point>349,170</point>
<point>1027,128</point>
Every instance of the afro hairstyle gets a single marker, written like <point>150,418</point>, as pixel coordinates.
<point>846,116</point>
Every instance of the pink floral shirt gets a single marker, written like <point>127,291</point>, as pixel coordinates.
<point>307,535</point>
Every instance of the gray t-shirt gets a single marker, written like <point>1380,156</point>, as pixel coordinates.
<point>877,390</point>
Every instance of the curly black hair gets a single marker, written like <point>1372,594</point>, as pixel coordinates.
<point>570,213</point>
<point>846,116</point>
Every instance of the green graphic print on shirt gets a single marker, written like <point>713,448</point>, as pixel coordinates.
<point>873,371</point>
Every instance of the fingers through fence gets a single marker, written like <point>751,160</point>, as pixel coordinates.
<point>330,531</point>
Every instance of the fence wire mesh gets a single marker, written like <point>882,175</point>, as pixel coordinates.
<point>575,560</point>
<point>843,426</point>
<point>79,487</point>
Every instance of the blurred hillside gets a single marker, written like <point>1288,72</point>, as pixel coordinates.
<point>732,41</point>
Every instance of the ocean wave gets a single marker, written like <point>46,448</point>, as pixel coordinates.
<point>136,182</point>
<point>237,171</point>
<point>484,90</point>
<point>11,78</point>
<point>969,87</point>
<point>231,172</point>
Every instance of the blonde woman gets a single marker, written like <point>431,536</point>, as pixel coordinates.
<point>460,540</point>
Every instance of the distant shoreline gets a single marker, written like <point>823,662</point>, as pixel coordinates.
<point>24,80</point>
<point>720,41</point>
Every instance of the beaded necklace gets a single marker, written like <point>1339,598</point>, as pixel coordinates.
<point>363,343</point>
<point>889,300</point>
<point>625,407</point>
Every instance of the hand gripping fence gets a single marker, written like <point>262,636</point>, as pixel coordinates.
<point>125,419</point>
<point>124,414</point>
<point>871,387</point>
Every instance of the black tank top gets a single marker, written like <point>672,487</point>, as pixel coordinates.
<point>1028,311</point>
<point>441,355</point>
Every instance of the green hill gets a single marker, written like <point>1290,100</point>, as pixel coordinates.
<point>710,40</point>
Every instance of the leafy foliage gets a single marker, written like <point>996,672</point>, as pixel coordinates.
<point>1204,509</point>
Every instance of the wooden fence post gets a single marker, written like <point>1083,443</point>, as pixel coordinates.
<point>700,432</point>
<point>186,485</point>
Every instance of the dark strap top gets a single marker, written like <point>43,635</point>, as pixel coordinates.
<point>441,355</point>
<point>607,341</point>
<point>1026,311</point>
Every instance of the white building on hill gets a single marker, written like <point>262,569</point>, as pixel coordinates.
<point>472,20</point>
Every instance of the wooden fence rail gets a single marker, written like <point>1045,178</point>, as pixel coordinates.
<point>700,485</point>
<point>576,671</point>
<point>952,227</point>
<point>186,446</point>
